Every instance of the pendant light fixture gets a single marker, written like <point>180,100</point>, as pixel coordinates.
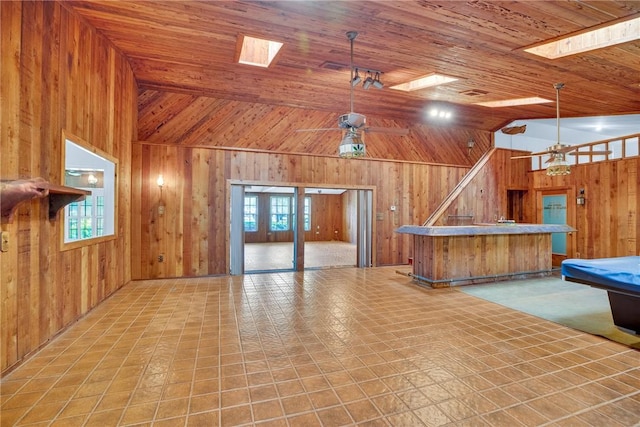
<point>558,164</point>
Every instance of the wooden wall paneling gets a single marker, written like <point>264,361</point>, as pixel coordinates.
<point>625,209</point>
<point>56,73</point>
<point>148,201</point>
<point>160,198</point>
<point>88,275</point>
<point>633,219</point>
<point>12,261</point>
<point>603,222</point>
<point>185,184</point>
<point>485,197</point>
<point>139,201</point>
<point>397,191</point>
<point>167,220</point>
<point>430,182</point>
<point>200,201</point>
<point>326,217</point>
<point>219,208</point>
<point>349,226</point>
<point>178,216</point>
<point>619,208</point>
<point>390,182</point>
<point>31,47</point>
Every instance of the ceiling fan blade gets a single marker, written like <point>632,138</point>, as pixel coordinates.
<point>317,129</point>
<point>562,150</point>
<point>590,153</point>
<point>390,131</point>
<point>539,153</point>
<point>524,157</point>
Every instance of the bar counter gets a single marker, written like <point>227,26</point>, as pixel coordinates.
<point>465,254</point>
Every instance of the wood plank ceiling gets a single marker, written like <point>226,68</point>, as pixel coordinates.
<point>190,48</point>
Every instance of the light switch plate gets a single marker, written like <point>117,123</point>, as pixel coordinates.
<point>4,241</point>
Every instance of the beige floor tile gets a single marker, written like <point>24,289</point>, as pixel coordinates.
<point>324,347</point>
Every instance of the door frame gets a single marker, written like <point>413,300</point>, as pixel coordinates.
<point>366,224</point>
<point>570,193</point>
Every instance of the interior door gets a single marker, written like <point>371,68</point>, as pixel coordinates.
<point>556,209</point>
<point>236,232</point>
<point>365,213</point>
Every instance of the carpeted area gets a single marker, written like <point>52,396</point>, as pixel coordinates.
<point>574,305</point>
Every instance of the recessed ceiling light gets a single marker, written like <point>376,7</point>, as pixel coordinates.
<point>620,32</point>
<point>258,52</point>
<point>513,102</point>
<point>423,82</point>
<point>437,113</point>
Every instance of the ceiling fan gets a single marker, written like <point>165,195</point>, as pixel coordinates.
<point>557,152</point>
<point>354,124</point>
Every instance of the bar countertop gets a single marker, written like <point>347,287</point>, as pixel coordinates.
<point>484,229</point>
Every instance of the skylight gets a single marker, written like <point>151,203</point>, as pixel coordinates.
<point>423,82</point>
<point>514,102</point>
<point>610,35</point>
<point>258,52</point>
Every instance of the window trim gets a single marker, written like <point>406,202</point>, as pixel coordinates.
<point>64,246</point>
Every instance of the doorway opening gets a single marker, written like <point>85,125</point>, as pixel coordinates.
<point>279,228</point>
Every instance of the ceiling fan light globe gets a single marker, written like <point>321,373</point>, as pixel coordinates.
<point>351,146</point>
<point>558,166</point>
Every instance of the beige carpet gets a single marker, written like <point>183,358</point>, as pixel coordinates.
<point>574,305</point>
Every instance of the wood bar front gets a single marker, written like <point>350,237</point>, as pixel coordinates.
<point>456,255</point>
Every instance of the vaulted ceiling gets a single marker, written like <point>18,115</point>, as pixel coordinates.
<point>191,48</point>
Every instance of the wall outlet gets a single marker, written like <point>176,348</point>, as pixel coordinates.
<point>161,258</point>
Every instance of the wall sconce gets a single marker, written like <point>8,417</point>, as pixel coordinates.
<point>160,182</point>
<point>580,199</point>
<point>470,144</point>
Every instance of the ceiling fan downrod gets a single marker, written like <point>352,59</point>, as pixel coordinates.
<point>558,86</point>
<point>351,35</point>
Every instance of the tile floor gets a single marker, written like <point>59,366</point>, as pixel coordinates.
<point>319,348</point>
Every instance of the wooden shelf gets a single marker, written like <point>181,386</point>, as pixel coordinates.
<point>59,196</point>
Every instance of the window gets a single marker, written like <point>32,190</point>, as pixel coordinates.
<point>307,214</point>
<point>280,213</point>
<point>250,213</point>
<point>85,219</point>
<point>95,215</point>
